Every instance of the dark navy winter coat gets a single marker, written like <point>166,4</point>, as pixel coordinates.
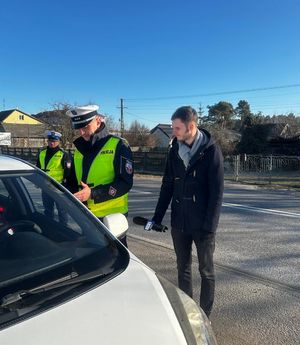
<point>196,191</point>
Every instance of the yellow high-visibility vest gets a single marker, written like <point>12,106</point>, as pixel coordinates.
<point>102,172</point>
<point>54,167</point>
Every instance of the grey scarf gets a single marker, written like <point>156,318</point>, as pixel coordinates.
<point>186,153</point>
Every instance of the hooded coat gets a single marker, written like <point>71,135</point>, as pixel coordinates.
<point>196,191</point>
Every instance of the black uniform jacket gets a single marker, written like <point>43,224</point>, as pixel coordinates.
<point>123,167</point>
<point>196,191</point>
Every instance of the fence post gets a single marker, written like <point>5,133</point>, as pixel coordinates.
<point>270,168</point>
<point>236,167</point>
<point>145,164</point>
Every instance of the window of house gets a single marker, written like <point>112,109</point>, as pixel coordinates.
<point>21,117</point>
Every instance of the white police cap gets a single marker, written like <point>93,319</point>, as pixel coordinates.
<point>53,135</point>
<point>82,116</point>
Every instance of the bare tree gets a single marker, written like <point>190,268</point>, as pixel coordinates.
<point>139,135</point>
<point>111,124</point>
<point>58,120</point>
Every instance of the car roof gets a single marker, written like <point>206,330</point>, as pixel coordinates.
<point>9,163</point>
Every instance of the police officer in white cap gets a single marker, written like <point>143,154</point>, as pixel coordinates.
<point>102,169</point>
<point>56,163</point>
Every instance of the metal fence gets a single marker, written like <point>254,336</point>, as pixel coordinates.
<point>149,162</point>
<point>259,169</point>
<point>254,169</point>
<point>144,162</point>
<point>27,153</point>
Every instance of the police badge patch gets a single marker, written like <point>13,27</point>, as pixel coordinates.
<point>128,167</point>
<point>112,191</point>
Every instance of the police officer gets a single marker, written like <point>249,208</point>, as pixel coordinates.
<point>56,163</point>
<point>102,170</point>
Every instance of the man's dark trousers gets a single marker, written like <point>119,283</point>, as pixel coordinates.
<point>205,245</point>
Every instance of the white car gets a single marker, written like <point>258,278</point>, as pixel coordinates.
<point>66,279</point>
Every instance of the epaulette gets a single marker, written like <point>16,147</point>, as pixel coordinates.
<point>124,141</point>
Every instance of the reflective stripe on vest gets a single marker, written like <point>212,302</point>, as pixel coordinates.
<point>102,172</point>
<point>54,167</point>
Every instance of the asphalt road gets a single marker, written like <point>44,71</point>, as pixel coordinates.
<point>257,261</point>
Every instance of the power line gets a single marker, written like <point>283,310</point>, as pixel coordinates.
<point>138,117</point>
<point>280,104</point>
<point>214,93</point>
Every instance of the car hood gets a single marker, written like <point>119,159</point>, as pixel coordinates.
<point>132,308</point>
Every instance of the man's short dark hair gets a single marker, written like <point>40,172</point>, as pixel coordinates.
<point>186,114</point>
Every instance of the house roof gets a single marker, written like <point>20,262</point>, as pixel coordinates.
<point>274,130</point>
<point>165,128</point>
<point>291,139</point>
<point>5,113</point>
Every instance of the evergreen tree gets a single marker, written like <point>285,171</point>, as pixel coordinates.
<point>221,114</point>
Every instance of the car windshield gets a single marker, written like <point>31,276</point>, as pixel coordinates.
<point>48,238</point>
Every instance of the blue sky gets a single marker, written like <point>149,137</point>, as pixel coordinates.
<point>156,54</point>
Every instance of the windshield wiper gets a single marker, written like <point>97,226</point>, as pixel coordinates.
<point>17,296</point>
<point>69,279</point>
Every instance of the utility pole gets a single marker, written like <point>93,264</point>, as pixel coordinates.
<point>122,116</point>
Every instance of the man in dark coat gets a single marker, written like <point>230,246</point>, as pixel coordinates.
<point>193,180</point>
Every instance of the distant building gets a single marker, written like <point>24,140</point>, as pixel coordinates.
<point>269,138</point>
<point>286,145</point>
<point>5,139</point>
<point>26,131</point>
<point>274,130</point>
<point>162,134</point>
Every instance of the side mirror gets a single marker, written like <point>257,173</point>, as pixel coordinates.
<point>116,223</point>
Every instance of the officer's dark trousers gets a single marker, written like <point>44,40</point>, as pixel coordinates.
<point>205,248</point>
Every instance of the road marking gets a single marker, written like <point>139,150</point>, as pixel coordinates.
<point>237,206</point>
<point>139,192</point>
<point>262,210</point>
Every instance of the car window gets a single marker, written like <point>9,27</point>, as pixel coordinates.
<point>51,202</point>
<point>3,190</point>
<point>47,236</point>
